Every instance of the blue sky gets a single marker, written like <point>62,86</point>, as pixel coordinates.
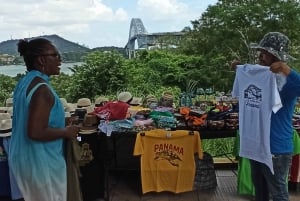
<point>95,23</point>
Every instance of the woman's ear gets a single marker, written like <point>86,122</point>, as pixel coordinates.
<point>41,61</point>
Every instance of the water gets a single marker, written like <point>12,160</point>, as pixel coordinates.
<point>13,70</point>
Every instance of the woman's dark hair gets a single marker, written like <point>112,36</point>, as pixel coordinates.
<point>31,49</point>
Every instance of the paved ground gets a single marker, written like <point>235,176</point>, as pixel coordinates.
<point>126,187</point>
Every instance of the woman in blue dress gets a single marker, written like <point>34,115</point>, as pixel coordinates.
<point>36,154</point>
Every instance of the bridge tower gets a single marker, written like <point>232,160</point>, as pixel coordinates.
<point>137,29</point>
<point>139,34</point>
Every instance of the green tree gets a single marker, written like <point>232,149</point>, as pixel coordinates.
<point>226,29</point>
<point>229,27</point>
<point>100,74</point>
<point>62,84</point>
<point>7,85</point>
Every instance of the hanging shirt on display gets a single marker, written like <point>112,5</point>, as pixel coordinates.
<point>167,159</point>
<point>256,88</point>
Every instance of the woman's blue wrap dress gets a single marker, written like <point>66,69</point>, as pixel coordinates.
<point>39,167</point>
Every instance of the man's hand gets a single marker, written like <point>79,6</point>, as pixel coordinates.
<point>280,67</point>
<point>234,64</point>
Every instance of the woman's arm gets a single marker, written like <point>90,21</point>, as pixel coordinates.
<point>39,111</point>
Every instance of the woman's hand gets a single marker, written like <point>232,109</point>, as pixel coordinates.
<point>72,131</point>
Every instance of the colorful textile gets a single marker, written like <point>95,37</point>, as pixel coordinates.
<point>116,110</point>
<point>39,167</point>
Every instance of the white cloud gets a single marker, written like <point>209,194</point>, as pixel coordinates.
<point>94,23</point>
<point>162,9</point>
<point>54,16</point>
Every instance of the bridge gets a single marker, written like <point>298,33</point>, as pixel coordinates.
<point>138,34</point>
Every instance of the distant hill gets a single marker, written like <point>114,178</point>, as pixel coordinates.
<point>63,45</point>
<point>71,52</point>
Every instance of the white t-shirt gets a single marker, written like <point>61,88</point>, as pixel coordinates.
<point>256,88</point>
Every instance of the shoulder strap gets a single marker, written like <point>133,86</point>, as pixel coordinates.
<point>28,98</point>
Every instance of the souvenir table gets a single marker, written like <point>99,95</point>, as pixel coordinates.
<point>120,146</point>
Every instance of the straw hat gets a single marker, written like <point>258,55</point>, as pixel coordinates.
<point>4,116</point>
<point>100,100</point>
<point>90,124</point>
<point>5,125</point>
<point>136,101</point>
<point>151,98</point>
<point>70,107</point>
<point>84,102</point>
<point>9,102</point>
<point>64,102</point>
<point>10,111</point>
<point>3,109</point>
<point>167,95</point>
<point>124,96</point>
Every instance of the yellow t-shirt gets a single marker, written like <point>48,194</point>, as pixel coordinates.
<point>167,159</point>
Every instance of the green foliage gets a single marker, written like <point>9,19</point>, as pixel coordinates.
<point>221,34</point>
<point>101,73</point>
<point>219,147</point>
<point>7,85</point>
<point>73,56</point>
<point>62,84</point>
<point>228,27</point>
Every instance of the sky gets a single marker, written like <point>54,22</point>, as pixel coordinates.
<point>95,23</point>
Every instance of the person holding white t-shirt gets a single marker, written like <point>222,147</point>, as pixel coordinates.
<point>273,52</point>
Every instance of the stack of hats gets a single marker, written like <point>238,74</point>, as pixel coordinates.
<point>168,96</point>
<point>151,101</point>
<point>166,99</point>
<point>68,107</point>
<point>9,102</point>
<point>84,106</point>
<point>125,97</point>
<point>90,124</point>
<point>5,132</point>
<point>8,106</point>
<point>5,125</point>
<point>85,103</point>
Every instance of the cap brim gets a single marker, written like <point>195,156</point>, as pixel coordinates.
<point>276,54</point>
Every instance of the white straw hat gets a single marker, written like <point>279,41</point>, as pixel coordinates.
<point>5,127</point>
<point>124,96</point>
<point>9,102</point>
